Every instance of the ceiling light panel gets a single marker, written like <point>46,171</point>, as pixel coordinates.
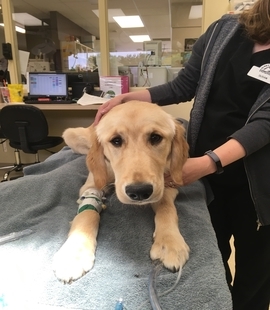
<point>26,19</point>
<point>129,21</point>
<point>195,12</point>
<point>140,38</point>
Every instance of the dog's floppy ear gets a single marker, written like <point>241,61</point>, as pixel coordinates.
<point>78,139</point>
<point>95,160</point>
<point>179,153</point>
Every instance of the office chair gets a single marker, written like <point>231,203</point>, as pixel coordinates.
<point>2,137</point>
<point>26,129</point>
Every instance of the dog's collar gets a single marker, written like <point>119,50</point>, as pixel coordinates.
<point>171,184</point>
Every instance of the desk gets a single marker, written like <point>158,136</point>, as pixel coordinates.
<point>62,107</point>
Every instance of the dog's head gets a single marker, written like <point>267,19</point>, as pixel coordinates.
<point>140,142</point>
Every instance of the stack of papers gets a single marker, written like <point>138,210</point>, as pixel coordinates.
<point>90,99</point>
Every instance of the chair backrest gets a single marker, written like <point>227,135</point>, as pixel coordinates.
<point>23,125</point>
<point>1,134</point>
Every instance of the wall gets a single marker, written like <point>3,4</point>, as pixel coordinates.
<point>182,28</point>
<point>213,10</point>
<point>65,27</point>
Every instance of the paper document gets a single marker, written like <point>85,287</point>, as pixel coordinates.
<point>90,99</point>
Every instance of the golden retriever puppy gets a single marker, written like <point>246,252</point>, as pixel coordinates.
<point>133,146</point>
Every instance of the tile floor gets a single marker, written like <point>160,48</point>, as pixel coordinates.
<point>6,167</point>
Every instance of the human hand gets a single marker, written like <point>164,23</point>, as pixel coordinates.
<point>106,107</point>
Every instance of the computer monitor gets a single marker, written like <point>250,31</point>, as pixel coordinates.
<point>155,49</point>
<point>78,82</point>
<point>48,84</point>
<point>84,76</point>
<point>74,77</point>
<point>91,78</point>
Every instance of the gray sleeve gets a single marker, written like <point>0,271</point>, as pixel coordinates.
<point>256,133</point>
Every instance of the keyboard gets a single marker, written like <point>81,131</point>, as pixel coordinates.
<point>49,101</point>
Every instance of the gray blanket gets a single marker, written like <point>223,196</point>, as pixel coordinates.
<point>44,200</point>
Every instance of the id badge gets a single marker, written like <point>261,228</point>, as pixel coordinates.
<point>260,73</point>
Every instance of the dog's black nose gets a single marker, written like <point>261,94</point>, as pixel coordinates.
<point>139,192</point>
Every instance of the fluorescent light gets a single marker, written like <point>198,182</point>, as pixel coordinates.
<point>195,12</point>
<point>27,19</point>
<point>17,28</point>
<point>129,21</point>
<point>141,38</point>
<point>111,14</point>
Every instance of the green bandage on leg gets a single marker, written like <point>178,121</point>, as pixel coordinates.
<point>91,199</point>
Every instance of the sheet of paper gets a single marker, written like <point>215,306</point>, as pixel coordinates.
<point>90,99</point>
<point>24,58</point>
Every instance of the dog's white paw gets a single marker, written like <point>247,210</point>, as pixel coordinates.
<point>74,259</point>
<point>171,249</point>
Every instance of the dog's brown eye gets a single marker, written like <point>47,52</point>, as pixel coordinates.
<point>117,141</point>
<point>155,138</point>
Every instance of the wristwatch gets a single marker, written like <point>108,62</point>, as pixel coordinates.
<point>217,161</point>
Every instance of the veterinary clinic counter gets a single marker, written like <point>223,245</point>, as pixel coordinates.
<point>62,107</point>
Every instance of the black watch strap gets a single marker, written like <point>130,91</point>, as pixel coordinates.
<point>217,161</point>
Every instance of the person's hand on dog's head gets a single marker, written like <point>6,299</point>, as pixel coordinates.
<point>106,107</point>
<point>142,95</point>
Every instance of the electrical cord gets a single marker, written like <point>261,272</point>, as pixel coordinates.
<point>153,296</point>
<point>154,301</point>
<point>146,78</point>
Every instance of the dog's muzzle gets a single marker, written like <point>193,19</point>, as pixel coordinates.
<point>139,192</point>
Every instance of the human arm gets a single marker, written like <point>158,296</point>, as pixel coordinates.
<point>198,167</point>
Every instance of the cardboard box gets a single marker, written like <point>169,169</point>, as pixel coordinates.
<point>114,85</point>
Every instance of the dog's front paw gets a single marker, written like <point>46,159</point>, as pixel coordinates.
<point>171,249</point>
<point>74,259</point>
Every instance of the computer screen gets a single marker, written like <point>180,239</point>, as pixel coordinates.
<point>49,84</point>
<point>74,77</point>
<point>91,77</point>
<point>84,76</point>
